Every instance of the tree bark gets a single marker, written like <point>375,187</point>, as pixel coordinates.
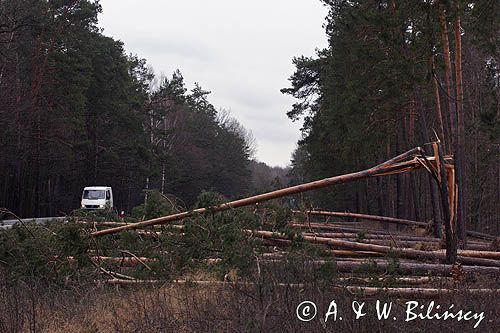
<point>460,150</point>
<point>441,127</point>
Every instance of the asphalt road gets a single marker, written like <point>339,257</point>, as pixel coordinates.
<point>6,224</point>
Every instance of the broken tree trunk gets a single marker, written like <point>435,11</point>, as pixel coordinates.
<point>391,166</point>
<point>447,205</point>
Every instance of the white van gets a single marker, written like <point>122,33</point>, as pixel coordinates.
<point>97,197</point>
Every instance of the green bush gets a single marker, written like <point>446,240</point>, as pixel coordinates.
<point>41,253</point>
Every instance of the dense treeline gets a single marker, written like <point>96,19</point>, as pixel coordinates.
<point>75,111</point>
<point>394,73</point>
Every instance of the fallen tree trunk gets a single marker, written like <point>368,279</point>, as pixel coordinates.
<point>334,253</point>
<point>364,217</point>
<point>412,268</point>
<point>481,235</point>
<point>413,293</point>
<point>411,280</point>
<point>372,236</point>
<point>391,166</point>
<point>402,252</point>
<point>385,219</point>
<point>402,242</point>
<point>330,227</point>
<point>386,237</point>
<point>348,253</point>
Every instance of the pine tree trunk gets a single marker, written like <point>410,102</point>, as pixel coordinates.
<point>460,151</point>
<point>450,106</point>
<point>441,129</point>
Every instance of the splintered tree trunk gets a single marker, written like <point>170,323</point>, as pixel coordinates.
<point>452,111</point>
<point>451,240</point>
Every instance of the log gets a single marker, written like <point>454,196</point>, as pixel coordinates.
<point>480,254</point>
<point>389,236</point>
<point>415,293</point>
<point>402,252</point>
<point>424,268</point>
<point>402,242</point>
<point>323,226</point>
<point>373,236</point>
<point>481,235</point>
<point>286,242</point>
<point>385,219</point>
<point>405,293</point>
<point>412,268</point>
<point>386,242</point>
<point>391,166</point>
<point>411,280</point>
<point>349,253</point>
<point>364,217</point>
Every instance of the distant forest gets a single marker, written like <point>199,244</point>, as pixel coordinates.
<point>396,75</point>
<point>76,110</point>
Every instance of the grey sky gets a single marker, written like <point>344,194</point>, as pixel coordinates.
<point>239,50</point>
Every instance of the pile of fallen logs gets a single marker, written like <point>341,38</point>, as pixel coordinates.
<point>350,244</point>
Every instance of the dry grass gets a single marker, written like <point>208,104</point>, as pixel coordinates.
<point>214,308</point>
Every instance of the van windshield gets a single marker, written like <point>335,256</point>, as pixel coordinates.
<point>93,194</point>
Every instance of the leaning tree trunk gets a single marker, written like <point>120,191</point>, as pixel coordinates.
<point>394,165</point>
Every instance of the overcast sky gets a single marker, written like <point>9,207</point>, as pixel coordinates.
<point>240,50</point>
